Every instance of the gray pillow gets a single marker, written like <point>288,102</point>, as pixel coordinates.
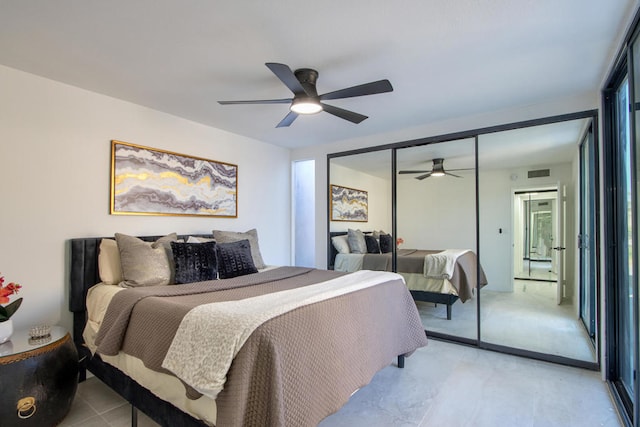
<point>357,243</point>
<point>234,236</point>
<point>145,263</point>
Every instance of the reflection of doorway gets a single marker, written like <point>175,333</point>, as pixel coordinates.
<point>536,235</point>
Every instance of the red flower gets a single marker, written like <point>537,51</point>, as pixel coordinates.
<point>5,292</point>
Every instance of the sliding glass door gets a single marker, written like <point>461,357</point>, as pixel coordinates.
<point>621,283</point>
<point>587,243</point>
<point>622,167</point>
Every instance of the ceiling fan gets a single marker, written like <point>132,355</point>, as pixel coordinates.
<point>306,100</point>
<point>437,170</point>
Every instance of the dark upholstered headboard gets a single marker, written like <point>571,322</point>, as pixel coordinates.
<point>332,249</point>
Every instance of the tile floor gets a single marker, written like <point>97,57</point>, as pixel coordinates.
<point>442,385</point>
<point>528,318</point>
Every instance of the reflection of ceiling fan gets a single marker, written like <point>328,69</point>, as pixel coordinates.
<point>306,100</point>
<point>437,170</point>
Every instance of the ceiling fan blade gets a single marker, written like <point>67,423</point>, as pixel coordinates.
<point>381,86</point>
<point>258,101</point>
<point>463,169</point>
<point>450,174</point>
<point>421,177</point>
<point>286,76</point>
<point>405,172</point>
<point>343,114</point>
<point>288,119</point>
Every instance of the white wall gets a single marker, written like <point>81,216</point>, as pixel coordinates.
<point>587,101</point>
<point>437,213</point>
<point>55,170</point>
<point>379,193</point>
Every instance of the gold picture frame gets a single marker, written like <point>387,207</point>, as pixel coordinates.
<point>349,204</point>
<point>149,181</point>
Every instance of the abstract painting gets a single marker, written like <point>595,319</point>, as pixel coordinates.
<point>349,204</point>
<point>147,181</point>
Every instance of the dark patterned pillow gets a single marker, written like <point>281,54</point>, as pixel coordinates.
<point>372,244</point>
<point>195,262</point>
<point>234,259</point>
<point>386,243</point>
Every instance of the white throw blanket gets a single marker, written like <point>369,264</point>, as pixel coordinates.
<point>211,335</point>
<point>442,264</point>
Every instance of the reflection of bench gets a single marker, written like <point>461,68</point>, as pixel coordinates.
<point>436,298</point>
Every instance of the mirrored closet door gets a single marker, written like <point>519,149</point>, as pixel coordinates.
<point>529,210</point>
<point>436,211</point>
<point>360,199</point>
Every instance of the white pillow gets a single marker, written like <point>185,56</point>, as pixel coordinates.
<point>341,244</point>
<point>109,266</point>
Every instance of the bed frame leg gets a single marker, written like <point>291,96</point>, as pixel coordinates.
<point>448,311</point>
<point>134,416</point>
<point>401,361</point>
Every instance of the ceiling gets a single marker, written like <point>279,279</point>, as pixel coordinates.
<point>444,58</point>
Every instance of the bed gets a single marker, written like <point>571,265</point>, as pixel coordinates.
<point>278,377</point>
<point>413,265</point>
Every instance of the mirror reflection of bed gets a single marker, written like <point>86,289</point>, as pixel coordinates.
<point>433,276</point>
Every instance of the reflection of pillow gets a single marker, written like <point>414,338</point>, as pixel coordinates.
<point>386,243</point>
<point>234,259</point>
<point>372,245</point>
<point>109,262</point>
<point>195,262</point>
<point>194,239</point>
<point>251,236</point>
<point>341,244</point>
<point>145,263</point>
<point>357,244</point>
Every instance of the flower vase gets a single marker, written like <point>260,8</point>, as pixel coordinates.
<point>6,330</point>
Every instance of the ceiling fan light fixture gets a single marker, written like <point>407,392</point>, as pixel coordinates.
<point>305,106</point>
<point>437,173</point>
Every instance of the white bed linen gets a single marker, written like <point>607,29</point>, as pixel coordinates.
<point>348,262</point>
<point>166,387</point>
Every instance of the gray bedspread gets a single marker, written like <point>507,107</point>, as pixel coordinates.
<point>296,368</point>
<point>464,277</point>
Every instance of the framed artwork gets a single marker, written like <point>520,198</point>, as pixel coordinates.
<point>147,181</point>
<point>349,204</point>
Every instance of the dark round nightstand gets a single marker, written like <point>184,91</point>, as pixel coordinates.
<point>39,378</point>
